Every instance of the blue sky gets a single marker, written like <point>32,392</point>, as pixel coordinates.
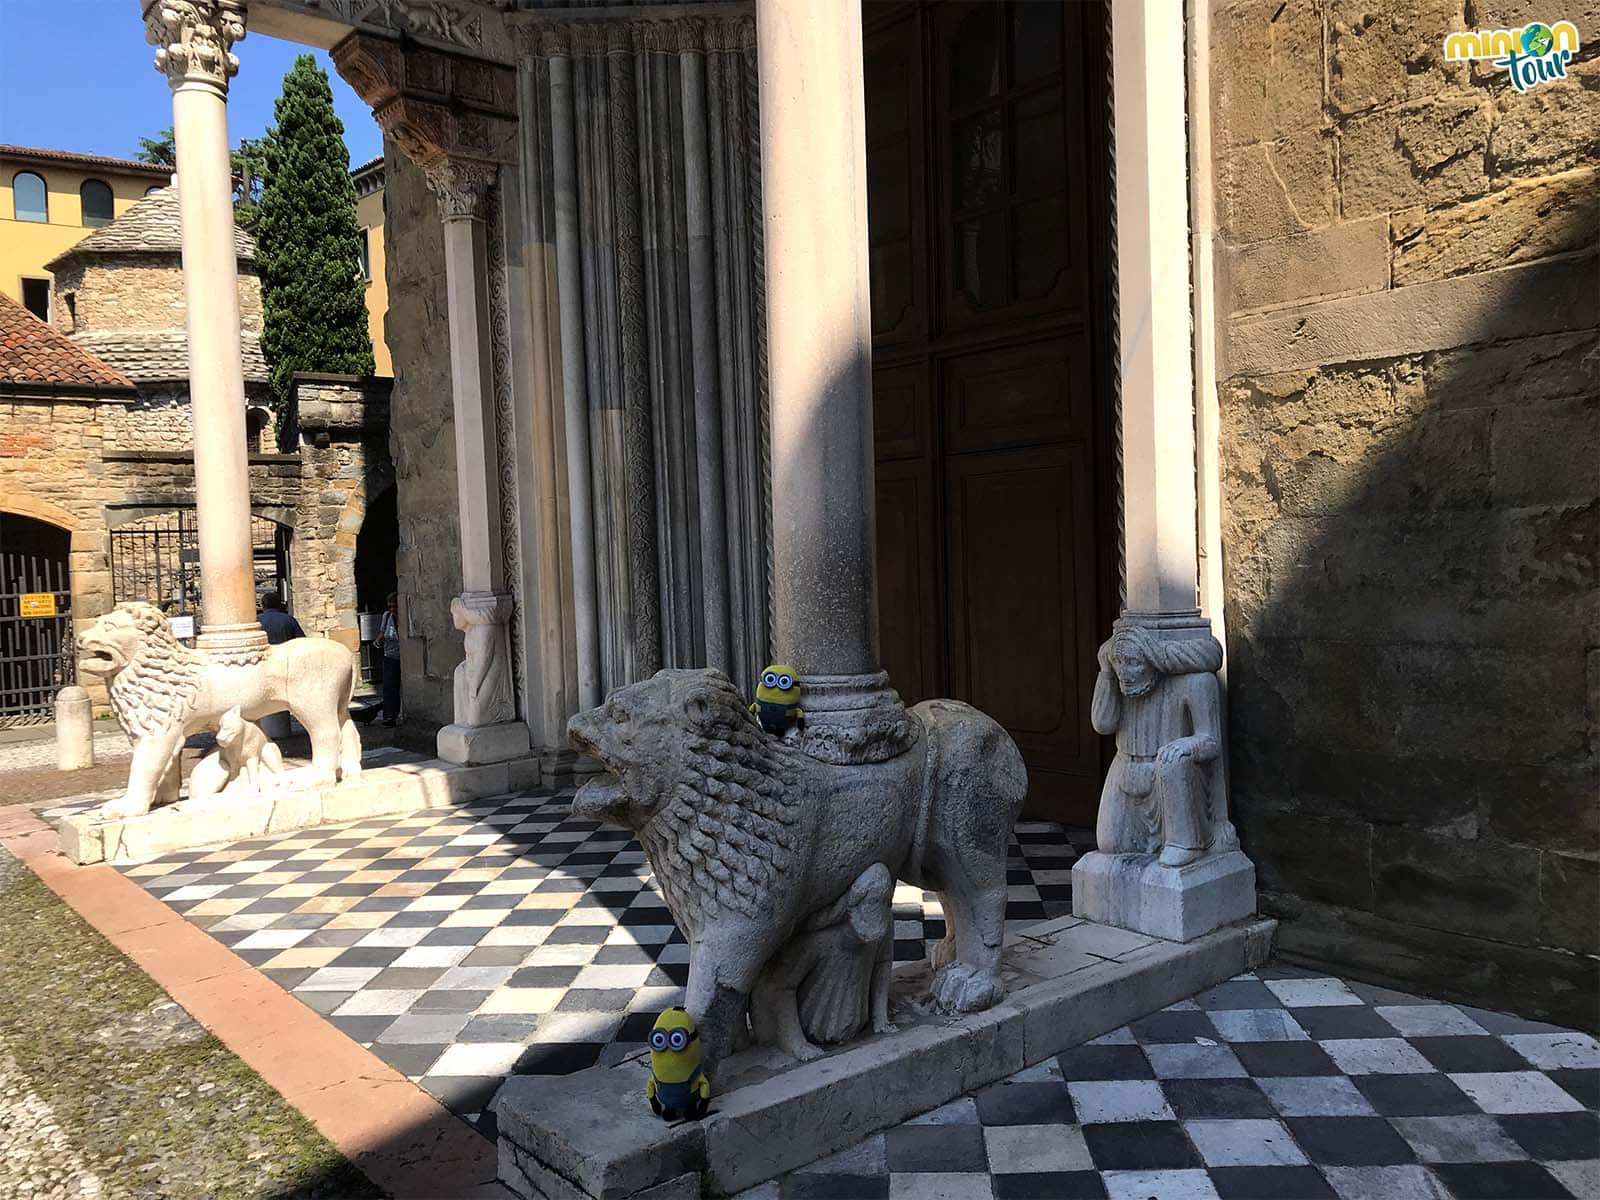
<point>77,75</point>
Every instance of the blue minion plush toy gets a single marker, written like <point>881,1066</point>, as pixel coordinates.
<point>677,1087</point>
<point>777,701</point>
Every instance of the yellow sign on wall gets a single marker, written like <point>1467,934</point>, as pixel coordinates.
<point>37,604</point>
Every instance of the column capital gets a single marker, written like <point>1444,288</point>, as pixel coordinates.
<point>453,116</point>
<point>461,185</point>
<point>194,40</point>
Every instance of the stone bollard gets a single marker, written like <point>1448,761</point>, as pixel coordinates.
<point>74,729</point>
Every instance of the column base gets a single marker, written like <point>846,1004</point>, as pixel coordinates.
<point>1134,891</point>
<point>234,645</point>
<point>473,744</point>
<point>854,719</point>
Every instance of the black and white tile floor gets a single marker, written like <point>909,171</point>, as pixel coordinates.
<point>1277,1085</point>
<point>506,936</point>
<point>502,937</point>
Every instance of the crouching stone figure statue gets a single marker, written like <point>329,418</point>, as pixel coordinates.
<point>1164,792</point>
<point>1168,862</point>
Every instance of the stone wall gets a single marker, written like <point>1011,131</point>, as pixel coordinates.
<point>344,454</point>
<point>1410,442</point>
<point>50,469</point>
<point>422,440</point>
<point>132,292</point>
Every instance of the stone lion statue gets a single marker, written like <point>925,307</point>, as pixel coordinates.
<point>162,692</point>
<point>751,839</point>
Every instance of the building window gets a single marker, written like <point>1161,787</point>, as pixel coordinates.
<point>97,206</point>
<point>366,255</point>
<point>36,297</point>
<point>28,197</point>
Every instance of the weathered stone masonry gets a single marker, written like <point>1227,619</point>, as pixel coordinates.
<point>1410,442</point>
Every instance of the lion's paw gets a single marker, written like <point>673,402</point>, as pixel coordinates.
<point>123,807</point>
<point>961,988</point>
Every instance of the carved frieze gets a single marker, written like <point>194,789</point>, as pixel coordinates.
<point>538,35</point>
<point>194,40</point>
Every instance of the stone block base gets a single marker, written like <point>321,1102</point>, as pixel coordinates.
<point>591,1136</point>
<point>1134,891</point>
<point>381,791</point>
<point>471,744</point>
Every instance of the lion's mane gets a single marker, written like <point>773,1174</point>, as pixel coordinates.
<point>156,690</point>
<point>727,834</point>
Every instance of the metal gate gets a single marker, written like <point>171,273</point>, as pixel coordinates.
<point>157,559</point>
<point>37,657</point>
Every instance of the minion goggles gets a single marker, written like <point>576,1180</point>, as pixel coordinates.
<point>676,1039</point>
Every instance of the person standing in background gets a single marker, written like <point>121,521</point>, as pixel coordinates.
<point>273,618</point>
<point>388,640</point>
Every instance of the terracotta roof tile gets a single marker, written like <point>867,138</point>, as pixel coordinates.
<point>43,154</point>
<point>32,352</point>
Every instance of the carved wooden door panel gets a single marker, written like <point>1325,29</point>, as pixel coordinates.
<point>992,431</point>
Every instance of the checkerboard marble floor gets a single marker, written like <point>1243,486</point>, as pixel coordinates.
<point>1277,1085</point>
<point>501,937</point>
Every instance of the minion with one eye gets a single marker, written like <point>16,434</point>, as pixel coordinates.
<point>777,701</point>
<point>677,1087</point>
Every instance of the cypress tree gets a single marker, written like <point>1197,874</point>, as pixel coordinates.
<point>308,244</point>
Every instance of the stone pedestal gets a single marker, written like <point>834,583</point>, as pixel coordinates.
<point>475,744</point>
<point>1179,904</point>
<point>74,729</point>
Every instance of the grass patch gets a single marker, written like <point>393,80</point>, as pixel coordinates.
<point>158,1107</point>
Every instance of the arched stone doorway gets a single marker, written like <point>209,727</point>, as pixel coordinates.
<point>376,546</point>
<point>36,642</point>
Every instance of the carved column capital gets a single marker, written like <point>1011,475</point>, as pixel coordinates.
<point>461,186</point>
<point>194,40</point>
<point>453,116</point>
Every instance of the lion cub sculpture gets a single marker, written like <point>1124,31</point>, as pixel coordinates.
<point>245,756</point>
<point>162,691</point>
<point>767,857</point>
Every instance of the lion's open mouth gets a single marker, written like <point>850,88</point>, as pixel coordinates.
<point>96,662</point>
<point>601,799</point>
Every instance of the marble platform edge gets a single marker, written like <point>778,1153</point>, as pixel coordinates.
<point>379,792</point>
<point>591,1136</point>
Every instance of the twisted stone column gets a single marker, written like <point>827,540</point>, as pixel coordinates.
<point>193,40</point>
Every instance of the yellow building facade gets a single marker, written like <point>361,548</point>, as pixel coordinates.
<point>369,178</point>
<point>49,201</point>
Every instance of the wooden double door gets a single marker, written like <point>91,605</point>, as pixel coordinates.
<point>986,184</point>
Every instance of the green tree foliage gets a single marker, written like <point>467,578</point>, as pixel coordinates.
<point>314,315</point>
<point>249,164</point>
<point>161,149</point>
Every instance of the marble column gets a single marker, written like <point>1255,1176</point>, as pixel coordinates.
<point>485,728</point>
<point>819,338</point>
<point>1168,861</point>
<point>193,40</point>
<point>454,117</point>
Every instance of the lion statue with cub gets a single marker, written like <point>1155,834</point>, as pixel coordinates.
<point>162,691</point>
<point>779,868</point>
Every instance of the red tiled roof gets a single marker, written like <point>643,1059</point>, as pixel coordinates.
<point>32,352</point>
<point>67,157</point>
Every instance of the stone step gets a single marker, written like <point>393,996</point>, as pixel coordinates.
<point>378,792</point>
<point>592,1136</point>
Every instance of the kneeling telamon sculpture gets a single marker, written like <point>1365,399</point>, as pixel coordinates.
<point>778,867</point>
